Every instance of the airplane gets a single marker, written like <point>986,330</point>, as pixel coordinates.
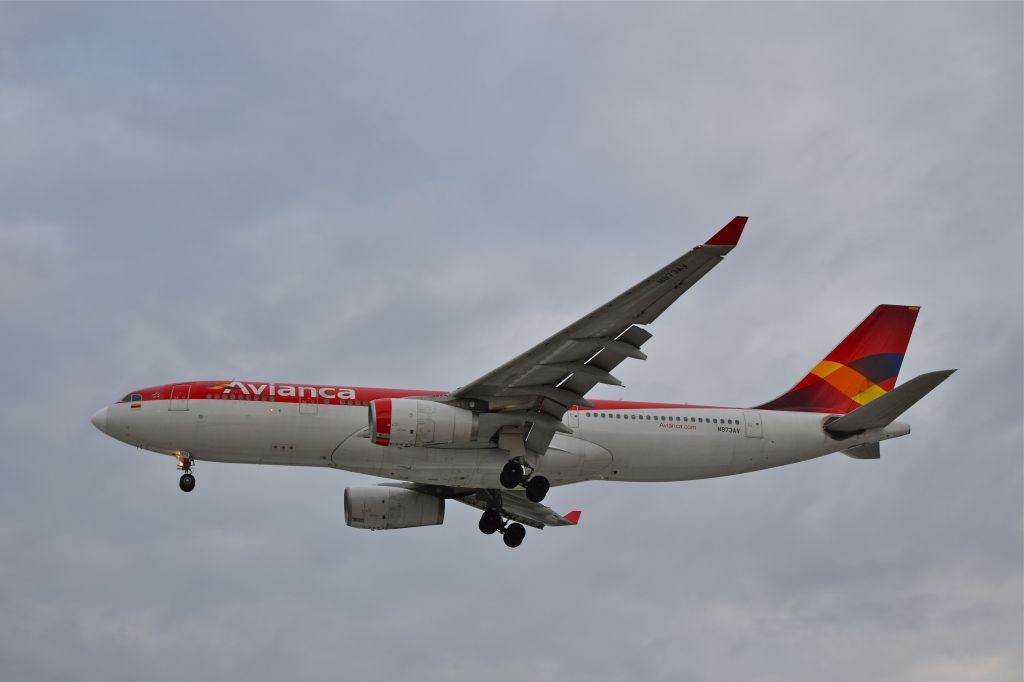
<point>500,442</point>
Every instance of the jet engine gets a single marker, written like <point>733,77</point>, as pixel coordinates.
<point>405,422</point>
<point>386,508</point>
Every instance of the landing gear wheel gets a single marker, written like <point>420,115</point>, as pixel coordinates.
<point>490,521</point>
<point>512,474</point>
<point>514,534</point>
<point>187,482</point>
<point>537,488</point>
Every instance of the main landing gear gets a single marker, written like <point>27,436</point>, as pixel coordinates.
<point>514,475</point>
<point>187,482</point>
<point>512,533</point>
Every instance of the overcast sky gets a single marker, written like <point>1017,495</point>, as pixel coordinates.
<point>396,195</point>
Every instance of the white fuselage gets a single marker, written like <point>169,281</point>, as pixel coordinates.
<point>619,442</point>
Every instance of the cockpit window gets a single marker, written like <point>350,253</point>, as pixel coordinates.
<point>131,398</point>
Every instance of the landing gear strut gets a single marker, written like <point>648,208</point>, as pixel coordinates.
<point>514,474</point>
<point>512,533</point>
<point>187,482</point>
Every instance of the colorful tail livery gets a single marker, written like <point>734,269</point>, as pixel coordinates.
<point>861,368</point>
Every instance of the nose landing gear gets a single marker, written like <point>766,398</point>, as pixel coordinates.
<point>187,482</point>
<point>514,474</point>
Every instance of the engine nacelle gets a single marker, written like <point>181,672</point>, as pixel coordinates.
<point>405,422</point>
<point>386,508</point>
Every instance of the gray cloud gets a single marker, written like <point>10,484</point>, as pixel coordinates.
<point>405,195</point>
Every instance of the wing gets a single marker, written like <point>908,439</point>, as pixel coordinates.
<point>545,381</point>
<point>512,504</point>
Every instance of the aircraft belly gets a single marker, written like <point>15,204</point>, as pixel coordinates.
<point>571,461</point>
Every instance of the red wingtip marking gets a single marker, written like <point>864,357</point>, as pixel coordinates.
<point>573,517</point>
<point>730,234</point>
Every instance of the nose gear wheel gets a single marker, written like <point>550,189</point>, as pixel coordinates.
<point>187,482</point>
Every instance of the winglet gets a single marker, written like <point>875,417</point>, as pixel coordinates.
<point>573,517</point>
<point>730,234</point>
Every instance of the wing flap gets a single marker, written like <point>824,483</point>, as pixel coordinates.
<point>514,506</point>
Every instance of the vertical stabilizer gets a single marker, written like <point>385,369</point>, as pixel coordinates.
<point>861,368</point>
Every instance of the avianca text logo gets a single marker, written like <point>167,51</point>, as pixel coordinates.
<point>289,391</point>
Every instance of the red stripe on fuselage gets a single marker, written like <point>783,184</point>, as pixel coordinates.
<point>261,391</point>
<point>281,392</point>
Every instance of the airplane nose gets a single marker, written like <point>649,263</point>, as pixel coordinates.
<point>99,420</point>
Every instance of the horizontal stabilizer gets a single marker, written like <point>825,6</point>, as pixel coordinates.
<point>866,451</point>
<point>884,409</point>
